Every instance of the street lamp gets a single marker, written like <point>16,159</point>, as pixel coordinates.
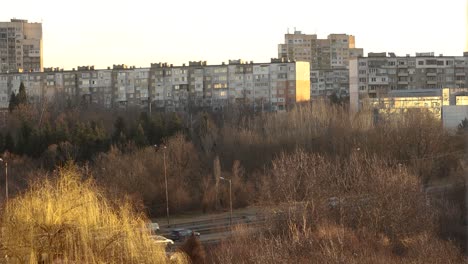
<point>6,177</point>
<point>165,181</point>
<point>230,199</point>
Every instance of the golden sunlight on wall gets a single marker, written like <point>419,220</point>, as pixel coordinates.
<point>302,81</point>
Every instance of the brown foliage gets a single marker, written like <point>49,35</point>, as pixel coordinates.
<point>194,250</point>
<point>141,174</point>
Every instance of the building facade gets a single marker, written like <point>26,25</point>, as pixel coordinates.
<point>378,74</point>
<point>448,104</point>
<point>20,46</point>
<point>264,86</point>
<point>329,59</point>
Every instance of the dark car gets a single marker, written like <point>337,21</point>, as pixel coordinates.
<point>181,234</point>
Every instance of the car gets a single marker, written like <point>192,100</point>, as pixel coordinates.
<point>162,240</point>
<point>153,227</point>
<point>180,234</point>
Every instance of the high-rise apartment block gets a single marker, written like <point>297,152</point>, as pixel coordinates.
<point>263,86</point>
<point>329,59</point>
<point>20,46</point>
<point>378,74</point>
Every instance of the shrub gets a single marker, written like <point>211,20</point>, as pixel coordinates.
<point>65,219</point>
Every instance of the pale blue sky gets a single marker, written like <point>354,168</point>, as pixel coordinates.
<point>106,32</point>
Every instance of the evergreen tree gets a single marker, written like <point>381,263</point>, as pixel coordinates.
<point>24,138</point>
<point>2,143</point>
<point>140,138</point>
<point>173,125</point>
<point>13,102</point>
<point>120,131</point>
<point>9,142</point>
<point>22,97</point>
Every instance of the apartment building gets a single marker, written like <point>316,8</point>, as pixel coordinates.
<point>263,86</point>
<point>380,73</point>
<point>448,104</point>
<point>20,46</point>
<point>329,58</point>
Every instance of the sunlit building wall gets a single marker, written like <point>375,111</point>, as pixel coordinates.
<point>329,59</point>
<point>448,104</point>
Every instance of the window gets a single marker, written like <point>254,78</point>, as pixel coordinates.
<point>420,62</point>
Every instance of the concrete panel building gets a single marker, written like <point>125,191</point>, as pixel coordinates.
<point>448,104</point>
<point>329,59</point>
<point>263,86</point>
<point>20,46</point>
<point>379,74</point>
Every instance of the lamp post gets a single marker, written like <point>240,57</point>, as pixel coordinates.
<point>230,199</point>
<point>165,182</point>
<point>6,177</point>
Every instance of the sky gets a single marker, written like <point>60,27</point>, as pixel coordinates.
<point>137,33</point>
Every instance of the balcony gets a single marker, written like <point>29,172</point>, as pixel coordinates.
<point>402,73</point>
<point>431,74</point>
<point>460,74</point>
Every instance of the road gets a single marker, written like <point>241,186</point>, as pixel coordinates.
<point>212,227</point>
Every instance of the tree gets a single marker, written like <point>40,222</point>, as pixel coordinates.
<point>194,250</point>
<point>9,142</point>
<point>2,143</point>
<point>13,102</point>
<point>120,131</point>
<point>140,138</point>
<point>69,221</point>
<point>22,97</point>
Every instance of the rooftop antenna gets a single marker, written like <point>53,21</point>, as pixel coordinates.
<point>288,30</point>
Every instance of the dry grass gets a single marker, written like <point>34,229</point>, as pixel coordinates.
<point>331,243</point>
<point>68,221</point>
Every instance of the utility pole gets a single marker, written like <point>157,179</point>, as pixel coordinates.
<point>149,105</point>
<point>230,199</point>
<point>165,181</point>
<point>6,177</point>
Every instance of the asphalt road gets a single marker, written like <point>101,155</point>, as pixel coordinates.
<point>212,227</point>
